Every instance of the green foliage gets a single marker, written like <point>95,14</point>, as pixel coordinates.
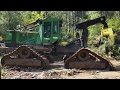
<point>3,71</point>
<point>104,48</point>
<point>94,30</point>
<point>35,15</point>
<point>116,52</point>
<point>114,22</point>
<point>3,22</point>
<point>1,38</point>
<point>67,37</point>
<point>10,19</point>
<point>117,36</point>
<point>31,16</point>
<point>93,14</point>
<point>107,49</point>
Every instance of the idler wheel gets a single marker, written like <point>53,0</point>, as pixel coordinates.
<point>82,55</point>
<point>24,52</point>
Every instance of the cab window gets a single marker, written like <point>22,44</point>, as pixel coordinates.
<point>47,29</point>
<point>55,27</point>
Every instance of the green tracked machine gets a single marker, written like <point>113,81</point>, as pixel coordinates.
<point>50,28</point>
<point>38,48</point>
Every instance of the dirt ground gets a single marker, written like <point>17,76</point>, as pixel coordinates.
<point>60,73</point>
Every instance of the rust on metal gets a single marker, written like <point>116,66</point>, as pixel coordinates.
<point>86,59</point>
<point>24,56</point>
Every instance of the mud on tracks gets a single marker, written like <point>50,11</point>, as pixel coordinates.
<point>58,72</point>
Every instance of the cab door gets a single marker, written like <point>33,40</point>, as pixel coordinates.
<point>55,31</point>
<point>47,32</point>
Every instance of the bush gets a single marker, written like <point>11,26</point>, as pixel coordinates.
<point>116,52</point>
<point>3,71</point>
<point>1,39</point>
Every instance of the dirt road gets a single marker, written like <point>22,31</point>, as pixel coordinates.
<point>61,73</point>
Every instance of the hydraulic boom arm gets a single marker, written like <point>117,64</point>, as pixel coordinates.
<point>92,22</point>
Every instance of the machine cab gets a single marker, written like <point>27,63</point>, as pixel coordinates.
<point>49,31</point>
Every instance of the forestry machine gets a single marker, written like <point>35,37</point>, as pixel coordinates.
<point>40,47</point>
